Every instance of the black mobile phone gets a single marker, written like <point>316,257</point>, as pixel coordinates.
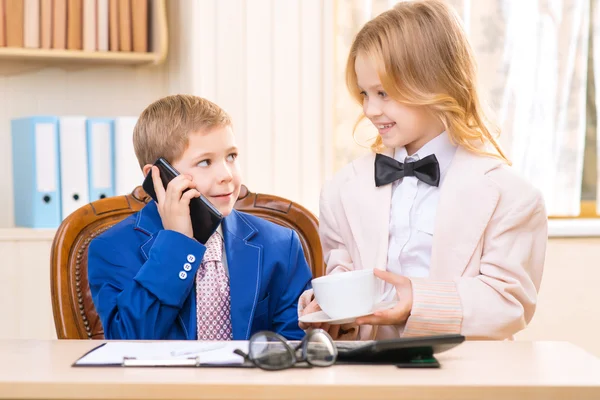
<point>204,215</point>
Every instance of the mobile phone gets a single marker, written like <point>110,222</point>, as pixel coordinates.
<point>204,215</point>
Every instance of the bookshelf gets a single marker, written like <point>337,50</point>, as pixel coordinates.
<point>80,56</point>
<point>15,235</point>
<point>158,39</point>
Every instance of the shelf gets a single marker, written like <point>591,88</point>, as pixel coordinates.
<point>565,228</point>
<point>27,58</point>
<point>26,234</point>
<point>96,57</point>
<point>575,227</point>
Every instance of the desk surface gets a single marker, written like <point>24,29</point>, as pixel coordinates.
<point>490,370</point>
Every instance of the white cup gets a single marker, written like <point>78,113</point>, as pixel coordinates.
<point>347,294</point>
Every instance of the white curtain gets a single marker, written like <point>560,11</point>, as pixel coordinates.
<point>596,56</point>
<point>532,59</point>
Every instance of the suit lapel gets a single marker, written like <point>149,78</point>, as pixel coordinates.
<point>148,222</point>
<point>367,208</point>
<point>244,261</point>
<point>467,201</point>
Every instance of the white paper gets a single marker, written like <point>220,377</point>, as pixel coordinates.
<point>209,353</point>
<point>73,163</point>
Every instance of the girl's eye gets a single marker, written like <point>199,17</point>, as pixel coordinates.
<point>382,94</point>
<point>232,157</point>
<point>363,93</point>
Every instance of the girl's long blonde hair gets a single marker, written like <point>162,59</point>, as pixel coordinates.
<point>425,59</point>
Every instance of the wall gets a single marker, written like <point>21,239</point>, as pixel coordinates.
<point>269,64</point>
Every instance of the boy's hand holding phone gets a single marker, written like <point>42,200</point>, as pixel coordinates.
<point>173,203</point>
<point>181,206</point>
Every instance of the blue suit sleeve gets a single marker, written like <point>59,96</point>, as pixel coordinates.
<point>142,301</point>
<point>285,318</point>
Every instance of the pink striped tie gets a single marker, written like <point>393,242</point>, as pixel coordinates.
<point>212,294</point>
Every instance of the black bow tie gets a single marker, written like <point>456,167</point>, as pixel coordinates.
<point>388,170</point>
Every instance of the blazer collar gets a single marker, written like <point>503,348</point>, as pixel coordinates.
<point>244,260</point>
<point>148,222</point>
<point>367,208</point>
<point>148,219</point>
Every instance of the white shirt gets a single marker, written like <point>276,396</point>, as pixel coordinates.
<point>413,209</point>
<point>224,258</point>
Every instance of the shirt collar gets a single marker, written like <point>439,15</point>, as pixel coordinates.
<point>440,146</point>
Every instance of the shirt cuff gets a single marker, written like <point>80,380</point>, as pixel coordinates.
<point>436,309</point>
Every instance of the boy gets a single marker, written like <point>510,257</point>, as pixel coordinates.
<point>151,280</point>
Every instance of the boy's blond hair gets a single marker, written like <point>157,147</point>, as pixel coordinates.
<point>425,59</point>
<point>163,127</point>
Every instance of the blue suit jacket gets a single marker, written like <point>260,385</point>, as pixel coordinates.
<point>135,275</point>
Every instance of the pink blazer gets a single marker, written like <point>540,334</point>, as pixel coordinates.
<point>489,245</point>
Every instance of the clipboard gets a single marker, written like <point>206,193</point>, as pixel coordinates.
<point>164,354</point>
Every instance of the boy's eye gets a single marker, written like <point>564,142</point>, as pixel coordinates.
<point>204,163</point>
<point>232,157</point>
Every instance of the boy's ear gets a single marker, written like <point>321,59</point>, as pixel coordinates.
<point>147,168</point>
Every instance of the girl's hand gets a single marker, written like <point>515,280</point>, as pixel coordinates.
<point>312,307</point>
<point>337,332</point>
<point>401,311</point>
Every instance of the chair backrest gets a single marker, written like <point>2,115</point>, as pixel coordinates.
<point>75,316</point>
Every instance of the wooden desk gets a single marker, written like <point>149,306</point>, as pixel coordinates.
<point>473,370</point>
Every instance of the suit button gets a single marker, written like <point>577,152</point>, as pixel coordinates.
<point>182,275</point>
<point>191,258</point>
<point>187,267</point>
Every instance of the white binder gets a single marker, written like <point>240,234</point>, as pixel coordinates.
<point>100,144</point>
<point>128,174</point>
<point>73,164</point>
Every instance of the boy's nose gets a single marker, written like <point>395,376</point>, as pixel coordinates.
<point>225,174</point>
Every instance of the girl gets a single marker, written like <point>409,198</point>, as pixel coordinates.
<point>435,210</point>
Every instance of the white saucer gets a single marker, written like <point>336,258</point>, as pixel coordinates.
<point>321,317</point>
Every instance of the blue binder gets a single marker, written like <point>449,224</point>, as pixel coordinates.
<point>101,159</point>
<point>36,178</point>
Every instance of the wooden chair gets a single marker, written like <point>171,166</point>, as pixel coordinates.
<point>75,316</point>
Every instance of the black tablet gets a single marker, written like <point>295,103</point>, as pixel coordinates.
<point>392,351</point>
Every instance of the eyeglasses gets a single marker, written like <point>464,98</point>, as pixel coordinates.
<point>271,351</point>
